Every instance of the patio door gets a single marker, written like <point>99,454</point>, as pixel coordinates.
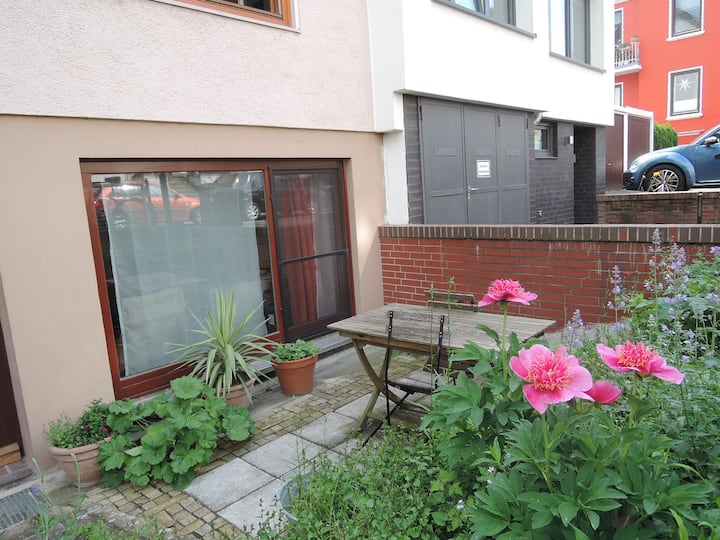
<point>312,249</point>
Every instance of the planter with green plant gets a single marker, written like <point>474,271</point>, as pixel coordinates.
<point>294,365</point>
<point>224,355</point>
<point>74,443</point>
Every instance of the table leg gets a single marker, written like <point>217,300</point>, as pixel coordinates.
<point>376,379</point>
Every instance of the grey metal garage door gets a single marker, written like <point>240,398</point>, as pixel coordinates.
<point>474,164</point>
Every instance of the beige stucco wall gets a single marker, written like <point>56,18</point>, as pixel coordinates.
<point>50,310</point>
<point>138,59</point>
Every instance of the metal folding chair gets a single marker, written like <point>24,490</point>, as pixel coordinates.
<point>408,386</point>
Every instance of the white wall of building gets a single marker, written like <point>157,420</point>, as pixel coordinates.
<point>138,59</point>
<point>427,48</point>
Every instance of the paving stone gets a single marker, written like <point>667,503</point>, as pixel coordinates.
<point>283,454</point>
<point>354,409</point>
<point>227,483</point>
<point>246,513</point>
<point>329,430</point>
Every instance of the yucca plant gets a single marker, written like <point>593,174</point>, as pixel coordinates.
<point>223,354</point>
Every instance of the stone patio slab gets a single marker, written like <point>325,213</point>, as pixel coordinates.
<point>227,483</point>
<point>328,430</point>
<point>283,454</point>
<point>246,513</point>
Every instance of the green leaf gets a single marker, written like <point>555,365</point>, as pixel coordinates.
<point>579,535</point>
<point>237,423</point>
<point>153,455</point>
<point>593,518</point>
<point>134,451</point>
<point>650,506</point>
<point>187,387</point>
<point>541,518</point>
<point>568,510</point>
<point>486,525</point>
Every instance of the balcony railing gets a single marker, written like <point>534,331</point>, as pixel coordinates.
<point>627,56</point>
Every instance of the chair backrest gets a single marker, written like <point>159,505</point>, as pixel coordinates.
<point>418,326</point>
<point>451,300</point>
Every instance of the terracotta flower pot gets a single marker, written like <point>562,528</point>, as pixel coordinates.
<point>88,472</point>
<point>296,376</point>
<point>238,396</point>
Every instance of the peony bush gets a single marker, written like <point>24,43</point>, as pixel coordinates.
<point>544,450</point>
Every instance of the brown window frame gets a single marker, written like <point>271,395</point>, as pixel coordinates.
<point>151,381</point>
<point>279,10</point>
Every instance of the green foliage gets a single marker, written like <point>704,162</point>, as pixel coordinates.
<point>91,427</point>
<point>394,490</point>
<point>295,350</point>
<point>223,354</point>
<point>665,136</point>
<point>181,430</point>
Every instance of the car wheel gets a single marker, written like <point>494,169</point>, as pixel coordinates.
<point>253,210</point>
<point>196,216</point>
<point>663,178</point>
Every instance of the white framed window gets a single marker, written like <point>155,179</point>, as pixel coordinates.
<point>570,29</point>
<point>511,12</point>
<point>686,17</point>
<point>684,92</point>
<point>619,26</point>
<point>619,98</point>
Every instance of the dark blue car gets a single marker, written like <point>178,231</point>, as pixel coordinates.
<point>678,168</point>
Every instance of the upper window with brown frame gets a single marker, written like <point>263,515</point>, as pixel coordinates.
<point>273,11</point>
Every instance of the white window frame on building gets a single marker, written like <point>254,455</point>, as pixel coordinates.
<point>683,22</point>
<point>681,81</point>
<point>619,97</point>
<point>515,13</point>
<point>570,27</point>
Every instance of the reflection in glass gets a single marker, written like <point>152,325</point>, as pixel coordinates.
<point>686,16</point>
<point>170,241</point>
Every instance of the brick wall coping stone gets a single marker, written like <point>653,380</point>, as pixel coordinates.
<point>684,234</point>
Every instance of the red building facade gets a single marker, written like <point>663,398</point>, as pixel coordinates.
<point>666,61</point>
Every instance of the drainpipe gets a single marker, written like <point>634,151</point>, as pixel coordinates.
<point>699,207</point>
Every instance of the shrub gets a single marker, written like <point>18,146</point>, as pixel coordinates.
<point>665,136</point>
<point>91,427</point>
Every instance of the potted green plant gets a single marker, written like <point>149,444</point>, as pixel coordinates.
<point>224,354</point>
<point>74,443</point>
<point>294,365</point>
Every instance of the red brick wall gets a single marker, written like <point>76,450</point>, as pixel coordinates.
<point>688,207</point>
<point>566,265</point>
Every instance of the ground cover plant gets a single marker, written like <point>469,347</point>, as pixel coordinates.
<point>612,434</point>
<point>169,436</point>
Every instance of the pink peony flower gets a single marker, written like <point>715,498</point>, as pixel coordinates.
<point>554,377</point>
<point>506,290</point>
<point>603,392</point>
<point>640,359</point>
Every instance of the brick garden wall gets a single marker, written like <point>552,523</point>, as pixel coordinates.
<point>566,265</point>
<point>702,206</point>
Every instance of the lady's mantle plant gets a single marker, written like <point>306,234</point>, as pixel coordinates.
<point>181,430</point>
<point>547,453</point>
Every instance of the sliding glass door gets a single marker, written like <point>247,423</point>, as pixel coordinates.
<point>313,258</point>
